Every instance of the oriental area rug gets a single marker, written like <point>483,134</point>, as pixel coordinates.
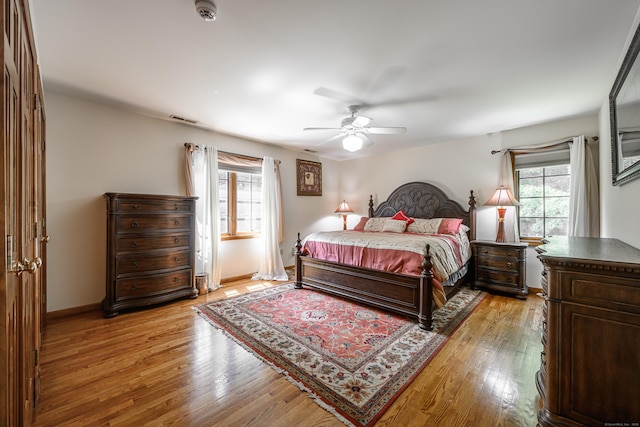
<point>354,360</point>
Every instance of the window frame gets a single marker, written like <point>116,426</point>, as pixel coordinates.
<point>533,240</point>
<point>232,209</point>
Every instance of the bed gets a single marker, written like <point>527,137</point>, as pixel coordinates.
<point>404,293</point>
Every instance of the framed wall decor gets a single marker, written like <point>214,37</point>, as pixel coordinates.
<point>309,178</point>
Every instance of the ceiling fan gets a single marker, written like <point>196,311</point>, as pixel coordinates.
<point>355,129</point>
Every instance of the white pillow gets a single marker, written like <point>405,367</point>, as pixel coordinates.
<point>395,226</point>
<point>375,224</point>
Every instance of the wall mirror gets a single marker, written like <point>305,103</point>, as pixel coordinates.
<point>624,107</point>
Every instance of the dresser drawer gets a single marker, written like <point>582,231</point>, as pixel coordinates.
<point>150,262</point>
<point>155,223</point>
<point>500,263</point>
<point>497,276</point>
<point>154,206</point>
<point>144,243</point>
<point>153,285</point>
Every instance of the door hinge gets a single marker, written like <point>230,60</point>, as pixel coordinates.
<point>36,102</point>
<point>36,357</point>
<point>35,230</point>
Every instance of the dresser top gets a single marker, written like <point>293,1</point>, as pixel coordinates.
<point>146,196</point>
<point>589,249</point>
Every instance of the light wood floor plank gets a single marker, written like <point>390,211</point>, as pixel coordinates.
<point>167,366</point>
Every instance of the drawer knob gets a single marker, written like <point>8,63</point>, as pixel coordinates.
<point>134,224</point>
<point>176,222</point>
<point>134,287</point>
<point>134,264</point>
<point>175,240</point>
<point>135,206</point>
<point>134,244</point>
<point>176,279</point>
<point>509,264</point>
<point>176,259</point>
<point>176,206</point>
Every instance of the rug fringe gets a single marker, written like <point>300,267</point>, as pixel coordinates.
<point>317,399</point>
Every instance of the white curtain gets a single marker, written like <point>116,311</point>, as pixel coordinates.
<point>271,266</point>
<point>202,181</point>
<point>583,194</point>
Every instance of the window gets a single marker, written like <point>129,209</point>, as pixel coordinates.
<point>543,193</point>
<point>240,196</point>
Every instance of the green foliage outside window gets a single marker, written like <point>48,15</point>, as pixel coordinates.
<point>543,193</point>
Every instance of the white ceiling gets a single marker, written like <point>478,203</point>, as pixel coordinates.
<point>441,68</point>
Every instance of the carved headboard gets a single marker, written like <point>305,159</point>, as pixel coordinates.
<point>423,200</point>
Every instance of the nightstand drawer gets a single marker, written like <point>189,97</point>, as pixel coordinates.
<point>500,263</point>
<point>498,276</point>
<point>498,251</point>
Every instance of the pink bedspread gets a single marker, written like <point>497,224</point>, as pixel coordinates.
<point>400,253</point>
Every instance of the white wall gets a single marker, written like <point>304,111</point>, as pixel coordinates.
<point>93,149</point>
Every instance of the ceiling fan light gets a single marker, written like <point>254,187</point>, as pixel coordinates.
<point>352,143</point>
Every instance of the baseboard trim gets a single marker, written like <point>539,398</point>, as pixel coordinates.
<point>51,315</point>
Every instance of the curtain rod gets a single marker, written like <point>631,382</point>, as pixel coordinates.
<point>193,147</point>
<point>551,144</point>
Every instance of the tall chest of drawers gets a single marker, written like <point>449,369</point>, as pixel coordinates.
<point>150,250</point>
<point>590,362</point>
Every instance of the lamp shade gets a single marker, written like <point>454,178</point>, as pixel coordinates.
<point>343,207</point>
<point>352,143</point>
<point>502,197</point>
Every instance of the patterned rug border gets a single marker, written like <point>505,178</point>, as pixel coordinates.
<point>293,379</point>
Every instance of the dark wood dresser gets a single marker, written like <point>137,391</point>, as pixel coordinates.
<point>501,267</point>
<point>590,363</point>
<point>150,250</point>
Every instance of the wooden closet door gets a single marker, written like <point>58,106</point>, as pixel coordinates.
<point>20,288</point>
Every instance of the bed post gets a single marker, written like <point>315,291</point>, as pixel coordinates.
<point>425,318</point>
<point>297,253</point>
<point>370,205</point>
<point>472,216</point>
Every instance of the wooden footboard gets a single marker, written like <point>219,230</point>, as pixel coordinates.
<point>409,295</point>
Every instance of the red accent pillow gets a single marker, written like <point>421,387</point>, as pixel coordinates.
<point>449,225</point>
<point>360,225</point>
<point>400,215</point>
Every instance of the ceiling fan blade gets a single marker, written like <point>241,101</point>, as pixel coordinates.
<point>333,138</point>
<point>388,77</point>
<point>334,94</point>
<point>361,121</point>
<point>392,130</point>
<point>321,129</point>
<point>366,141</point>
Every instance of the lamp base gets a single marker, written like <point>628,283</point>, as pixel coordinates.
<point>500,236</point>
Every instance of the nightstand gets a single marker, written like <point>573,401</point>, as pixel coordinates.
<point>501,267</point>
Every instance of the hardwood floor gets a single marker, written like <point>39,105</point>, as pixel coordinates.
<point>167,366</point>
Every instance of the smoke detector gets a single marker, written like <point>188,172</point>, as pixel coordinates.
<point>206,9</point>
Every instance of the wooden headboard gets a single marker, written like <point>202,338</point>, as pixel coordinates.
<point>424,200</point>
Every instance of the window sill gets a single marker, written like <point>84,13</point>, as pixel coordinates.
<point>225,237</point>
<point>532,241</point>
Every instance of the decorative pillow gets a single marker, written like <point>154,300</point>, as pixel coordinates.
<point>360,225</point>
<point>424,226</point>
<point>400,215</point>
<point>395,226</point>
<point>375,224</point>
<point>449,225</point>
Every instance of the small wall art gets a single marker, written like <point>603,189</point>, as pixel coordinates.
<point>309,178</point>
